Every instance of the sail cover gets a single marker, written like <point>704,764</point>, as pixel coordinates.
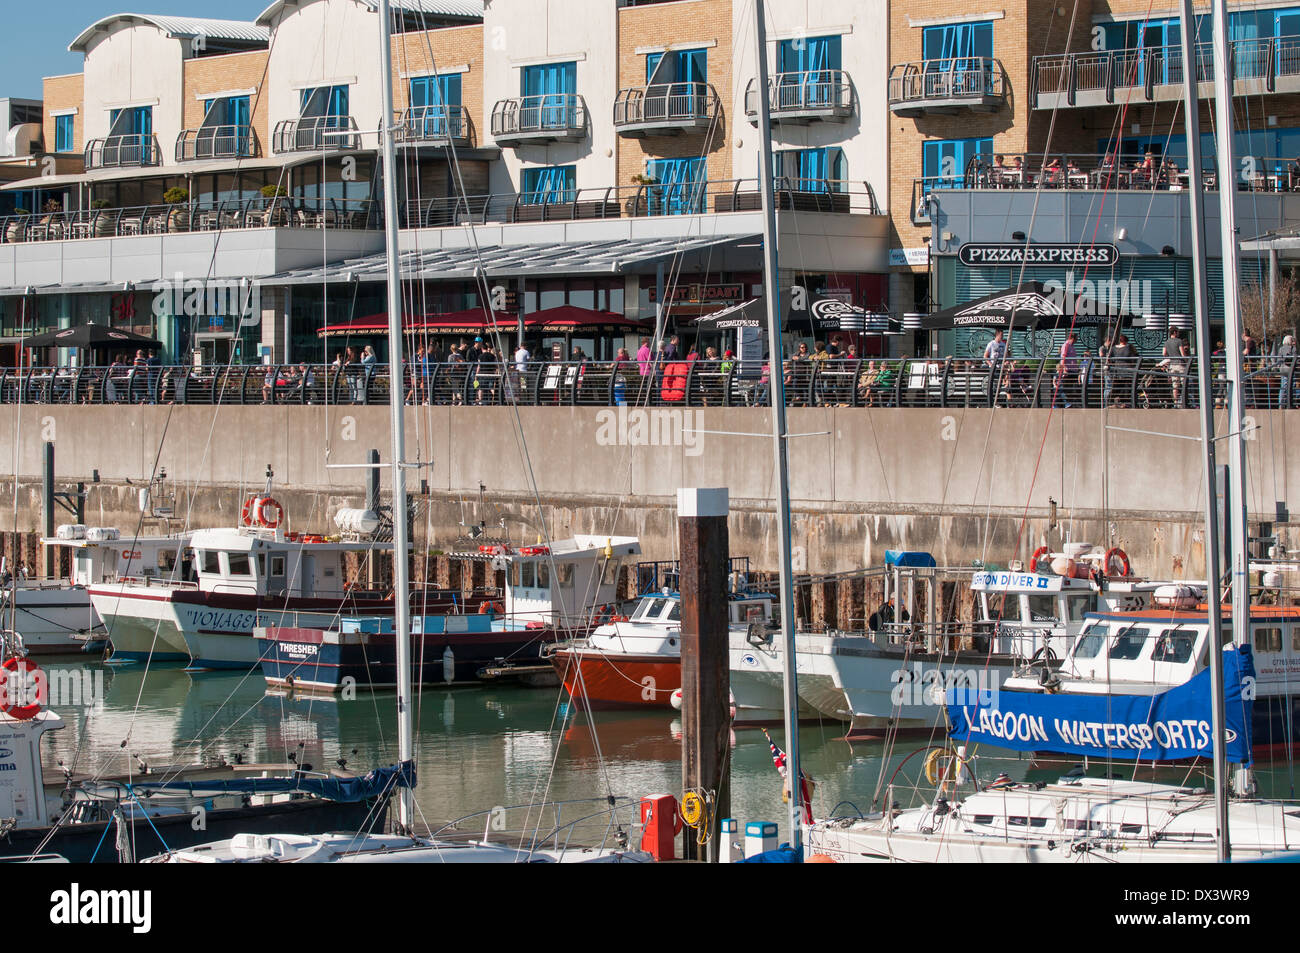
<point>1168,726</point>
<point>379,782</point>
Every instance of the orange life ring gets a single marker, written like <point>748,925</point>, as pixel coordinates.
<point>486,607</point>
<point>1039,553</point>
<point>261,512</point>
<point>1123,560</point>
<point>246,513</point>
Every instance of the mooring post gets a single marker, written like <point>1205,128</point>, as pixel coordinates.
<point>706,681</point>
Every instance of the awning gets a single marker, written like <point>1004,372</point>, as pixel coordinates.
<point>824,313</point>
<point>95,176</point>
<point>479,321</point>
<point>744,315</point>
<point>615,257</point>
<point>1031,305</point>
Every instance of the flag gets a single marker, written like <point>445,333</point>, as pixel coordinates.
<point>805,783</point>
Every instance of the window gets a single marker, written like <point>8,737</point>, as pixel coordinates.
<point>1076,606</point>
<point>226,128</point>
<point>1004,607</point>
<point>565,573</point>
<point>135,127</point>
<point>953,45</point>
<point>435,105</point>
<point>166,560</point>
<point>1042,609</point>
<point>674,613</point>
<point>680,186</point>
<point>548,91</point>
<point>650,609</point>
<point>808,69</point>
<point>1174,646</point>
<point>1128,644</point>
<point>1268,640</point>
<point>945,162</point>
<point>527,575</point>
<point>239,564</point>
<point>609,576</point>
<point>544,575</point>
<point>1090,643</point>
<point>211,562</point>
<point>330,102</point>
<point>551,185</point>
<point>63,135</point>
<point>812,170</point>
<point>277,565</point>
<point>677,66</point>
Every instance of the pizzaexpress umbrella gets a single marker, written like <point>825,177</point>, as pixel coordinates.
<point>92,336</point>
<point>825,313</point>
<point>1029,306</point>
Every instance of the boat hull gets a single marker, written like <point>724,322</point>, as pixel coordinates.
<point>89,843</point>
<point>610,681</point>
<point>49,617</point>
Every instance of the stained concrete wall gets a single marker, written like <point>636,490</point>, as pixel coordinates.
<point>966,484</point>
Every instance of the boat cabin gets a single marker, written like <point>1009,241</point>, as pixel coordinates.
<point>654,627</point>
<point>264,562</point>
<point>100,555</point>
<point>557,585</point>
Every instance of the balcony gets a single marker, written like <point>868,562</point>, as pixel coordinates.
<point>433,126</point>
<point>665,109</point>
<point>217,142</point>
<point>135,150</point>
<point>801,98</point>
<point>316,134</point>
<point>539,119</point>
<point>1155,74</point>
<point>945,87</point>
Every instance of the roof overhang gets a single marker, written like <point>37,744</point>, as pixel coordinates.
<point>240,32</point>
<point>281,160</point>
<point>470,11</point>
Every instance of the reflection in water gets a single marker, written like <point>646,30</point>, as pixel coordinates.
<point>478,747</point>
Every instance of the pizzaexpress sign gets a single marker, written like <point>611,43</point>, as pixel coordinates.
<point>1018,253</point>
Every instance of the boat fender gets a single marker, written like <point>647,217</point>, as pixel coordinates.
<point>1116,553</point>
<point>1039,553</point>
<point>486,607</point>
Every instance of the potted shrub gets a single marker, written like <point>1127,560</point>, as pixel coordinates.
<point>275,216</point>
<point>178,219</point>
<point>102,222</point>
<point>16,231</point>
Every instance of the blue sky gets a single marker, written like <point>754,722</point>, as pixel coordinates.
<point>40,32</point>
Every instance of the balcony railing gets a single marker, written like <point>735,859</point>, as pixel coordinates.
<point>217,142</point>
<point>548,118</point>
<point>641,201</point>
<point>259,212</point>
<point>1147,383</point>
<point>825,95</point>
<point>665,109</point>
<point>433,125</point>
<point>1102,173</point>
<point>1099,78</point>
<point>114,152</point>
<point>947,86</point>
<point>316,133</point>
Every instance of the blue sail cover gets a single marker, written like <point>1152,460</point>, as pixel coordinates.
<point>1168,726</point>
<point>377,783</point>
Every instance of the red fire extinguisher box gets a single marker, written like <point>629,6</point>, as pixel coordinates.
<point>660,825</point>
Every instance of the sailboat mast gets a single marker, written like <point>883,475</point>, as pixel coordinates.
<point>1213,598</point>
<point>396,396</point>
<point>1239,530</point>
<point>776,385</point>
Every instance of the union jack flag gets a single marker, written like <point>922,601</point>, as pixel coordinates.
<point>805,783</point>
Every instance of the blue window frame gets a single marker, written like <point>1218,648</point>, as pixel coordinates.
<point>329,102</point>
<point>550,185</point>
<point>811,170</point>
<point>677,66</point>
<point>548,90</point>
<point>680,186</point>
<point>435,104</point>
<point>226,125</point>
<point>136,122</point>
<point>948,46</point>
<point>63,133</point>
<point>808,66</point>
<point>944,161</point>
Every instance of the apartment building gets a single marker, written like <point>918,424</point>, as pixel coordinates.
<point>1062,126</point>
<point>604,153</point>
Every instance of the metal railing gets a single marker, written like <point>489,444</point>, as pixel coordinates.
<point>1086,382</point>
<point>639,201</point>
<point>217,142</point>
<point>827,94</point>
<point>666,103</point>
<point>112,152</point>
<point>1267,61</point>
<point>312,133</point>
<point>560,115</point>
<point>433,124</point>
<point>278,212</point>
<point>972,78</point>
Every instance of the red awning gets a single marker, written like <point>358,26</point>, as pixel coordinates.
<point>477,321</point>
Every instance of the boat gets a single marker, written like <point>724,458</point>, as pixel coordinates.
<point>56,616</point>
<point>546,597</point>
<point>404,845</point>
<point>255,574</point>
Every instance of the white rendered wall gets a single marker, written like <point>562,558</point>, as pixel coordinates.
<point>136,65</point>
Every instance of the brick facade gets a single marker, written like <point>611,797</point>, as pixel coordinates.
<point>216,74</point>
<point>668,24</point>
<point>421,53</point>
<point>64,92</point>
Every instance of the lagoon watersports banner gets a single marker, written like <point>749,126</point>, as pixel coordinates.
<point>1168,726</point>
